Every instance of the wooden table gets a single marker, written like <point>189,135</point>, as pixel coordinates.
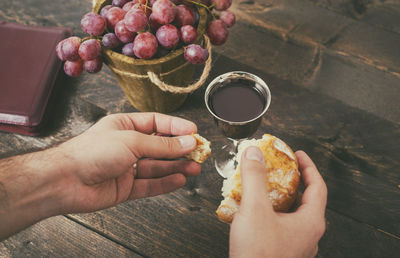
<point>334,74</point>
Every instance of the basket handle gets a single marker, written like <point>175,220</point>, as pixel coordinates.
<point>190,88</point>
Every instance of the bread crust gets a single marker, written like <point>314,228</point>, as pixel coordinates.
<point>283,177</point>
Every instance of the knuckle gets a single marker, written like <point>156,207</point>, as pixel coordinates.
<point>169,143</point>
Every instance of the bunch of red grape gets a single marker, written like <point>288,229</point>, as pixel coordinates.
<point>145,29</point>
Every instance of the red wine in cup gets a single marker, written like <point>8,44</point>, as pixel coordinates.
<point>237,101</point>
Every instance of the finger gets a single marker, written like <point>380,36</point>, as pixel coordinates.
<point>151,146</point>
<point>315,194</point>
<point>149,168</point>
<point>314,252</point>
<point>151,187</point>
<point>148,123</point>
<point>254,179</point>
<point>297,203</point>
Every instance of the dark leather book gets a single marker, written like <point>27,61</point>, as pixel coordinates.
<point>28,70</point>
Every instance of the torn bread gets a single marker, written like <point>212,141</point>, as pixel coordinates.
<point>283,177</point>
<point>202,151</point>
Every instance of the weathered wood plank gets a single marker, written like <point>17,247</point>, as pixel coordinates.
<point>345,237</point>
<point>357,153</point>
<point>357,165</point>
<point>61,237</point>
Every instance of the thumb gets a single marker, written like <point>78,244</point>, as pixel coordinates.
<point>254,179</point>
<point>151,146</point>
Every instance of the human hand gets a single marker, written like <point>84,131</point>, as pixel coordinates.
<point>100,162</point>
<point>258,231</point>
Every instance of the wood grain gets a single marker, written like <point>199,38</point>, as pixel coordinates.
<point>61,237</point>
<point>354,141</point>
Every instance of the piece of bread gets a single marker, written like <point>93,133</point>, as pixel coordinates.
<point>202,151</point>
<point>283,177</point>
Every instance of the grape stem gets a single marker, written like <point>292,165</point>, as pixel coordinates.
<point>202,5</point>
<point>91,37</point>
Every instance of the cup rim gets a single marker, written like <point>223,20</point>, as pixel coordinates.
<point>239,74</point>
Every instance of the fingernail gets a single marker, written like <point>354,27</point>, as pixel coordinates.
<point>187,141</point>
<point>254,153</point>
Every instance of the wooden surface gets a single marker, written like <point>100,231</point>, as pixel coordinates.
<point>334,72</point>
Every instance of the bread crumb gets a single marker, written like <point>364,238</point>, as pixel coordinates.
<point>202,151</point>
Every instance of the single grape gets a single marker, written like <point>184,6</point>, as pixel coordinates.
<point>217,32</point>
<point>184,16</point>
<point>59,52</point>
<point>228,18</point>
<point>168,36</point>
<point>127,7</point>
<point>93,24</point>
<point>70,48</point>
<point>89,49</point>
<point>113,16</point>
<point>93,66</point>
<point>164,11</point>
<point>119,3</point>
<point>195,54</point>
<point>221,5</point>
<point>188,34</point>
<point>127,50</point>
<point>123,34</point>
<point>135,20</point>
<point>104,10</point>
<point>73,68</point>
<point>145,45</point>
<point>111,41</point>
<point>153,23</point>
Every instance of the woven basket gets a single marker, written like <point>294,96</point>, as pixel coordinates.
<point>161,84</point>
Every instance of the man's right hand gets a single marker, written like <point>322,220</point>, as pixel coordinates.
<point>258,231</point>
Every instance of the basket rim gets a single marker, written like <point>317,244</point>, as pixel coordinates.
<point>173,54</point>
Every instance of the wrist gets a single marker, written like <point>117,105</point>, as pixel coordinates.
<point>57,171</point>
<point>30,189</point>
<point>34,183</point>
